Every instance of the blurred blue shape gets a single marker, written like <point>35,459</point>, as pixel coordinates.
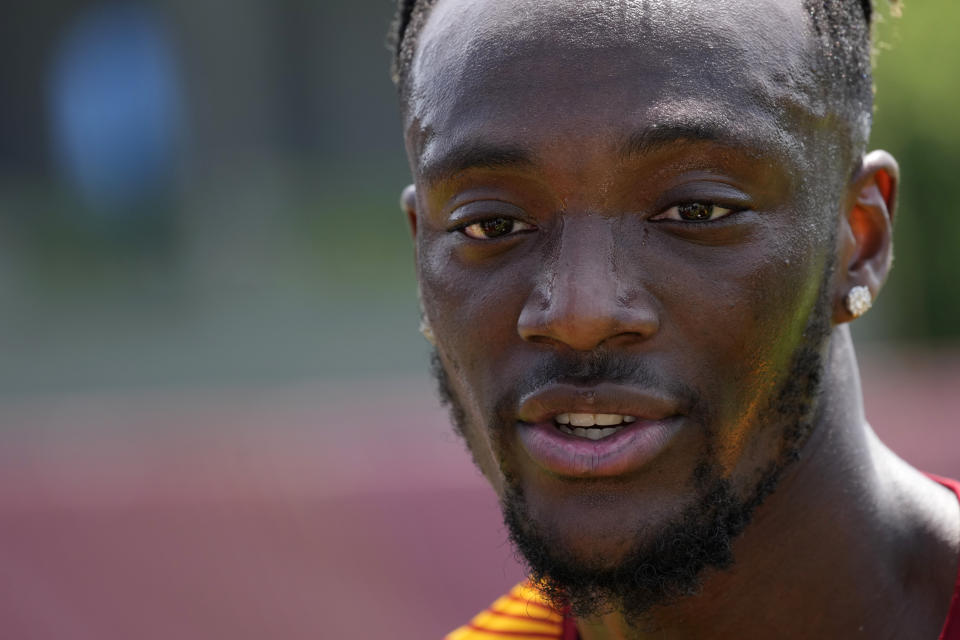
<point>116,109</point>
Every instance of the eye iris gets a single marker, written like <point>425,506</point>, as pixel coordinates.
<point>695,211</point>
<point>496,227</point>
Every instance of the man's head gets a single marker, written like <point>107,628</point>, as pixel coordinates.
<point>635,224</point>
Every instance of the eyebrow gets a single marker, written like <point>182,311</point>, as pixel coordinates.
<point>660,135</point>
<point>476,155</point>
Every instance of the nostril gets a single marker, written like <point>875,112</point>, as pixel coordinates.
<point>627,338</point>
<point>539,339</point>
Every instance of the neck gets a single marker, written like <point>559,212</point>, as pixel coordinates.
<point>826,554</point>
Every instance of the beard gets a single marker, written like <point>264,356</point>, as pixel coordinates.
<point>668,564</point>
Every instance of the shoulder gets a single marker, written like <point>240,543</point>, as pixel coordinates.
<point>520,614</point>
<point>951,627</point>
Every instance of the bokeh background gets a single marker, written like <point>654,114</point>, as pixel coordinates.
<point>215,416</point>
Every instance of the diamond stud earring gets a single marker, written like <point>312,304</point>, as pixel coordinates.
<point>427,331</point>
<point>858,301</point>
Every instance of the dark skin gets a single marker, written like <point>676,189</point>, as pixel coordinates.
<point>565,159</point>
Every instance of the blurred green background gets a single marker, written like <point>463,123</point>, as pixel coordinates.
<point>205,193</point>
<point>917,80</point>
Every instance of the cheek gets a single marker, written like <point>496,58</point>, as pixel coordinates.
<point>473,309</point>
<point>473,313</point>
<point>733,317</point>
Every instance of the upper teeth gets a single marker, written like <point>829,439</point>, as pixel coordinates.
<point>593,419</point>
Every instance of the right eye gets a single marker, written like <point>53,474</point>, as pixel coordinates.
<point>493,228</point>
<point>695,212</point>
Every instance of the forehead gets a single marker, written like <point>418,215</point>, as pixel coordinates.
<point>498,71</point>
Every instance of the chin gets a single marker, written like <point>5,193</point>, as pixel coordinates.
<point>592,549</point>
<point>595,529</point>
<point>599,559</point>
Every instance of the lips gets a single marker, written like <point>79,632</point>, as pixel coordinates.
<point>595,431</point>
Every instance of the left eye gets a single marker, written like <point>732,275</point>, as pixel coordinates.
<point>493,228</point>
<point>694,212</point>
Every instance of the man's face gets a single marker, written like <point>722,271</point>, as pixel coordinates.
<point>623,232</point>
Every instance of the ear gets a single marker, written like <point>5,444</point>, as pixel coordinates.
<point>865,242</point>
<point>408,202</point>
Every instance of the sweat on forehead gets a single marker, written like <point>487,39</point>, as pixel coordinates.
<point>606,21</point>
<point>753,66</point>
<point>484,36</point>
<point>481,35</point>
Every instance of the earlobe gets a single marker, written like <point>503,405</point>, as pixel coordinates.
<point>408,202</point>
<point>865,245</point>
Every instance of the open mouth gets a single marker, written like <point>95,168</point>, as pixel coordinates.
<point>591,426</point>
<point>602,430</point>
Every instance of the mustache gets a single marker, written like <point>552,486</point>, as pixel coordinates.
<point>595,367</point>
<point>590,368</point>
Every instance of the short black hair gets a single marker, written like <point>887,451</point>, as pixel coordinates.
<point>844,28</point>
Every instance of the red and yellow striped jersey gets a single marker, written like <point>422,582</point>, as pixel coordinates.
<point>522,614</point>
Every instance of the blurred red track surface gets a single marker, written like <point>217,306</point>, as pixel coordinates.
<point>311,512</point>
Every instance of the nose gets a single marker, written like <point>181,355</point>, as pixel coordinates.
<point>585,295</point>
